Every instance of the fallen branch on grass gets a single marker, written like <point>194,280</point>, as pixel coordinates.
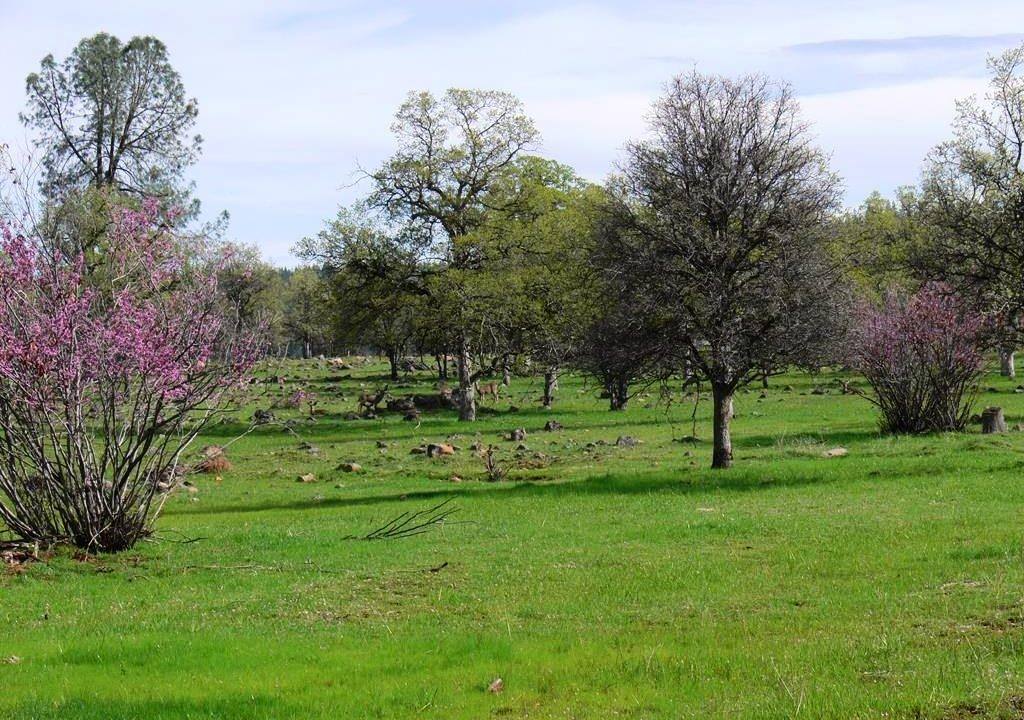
<point>410,523</point>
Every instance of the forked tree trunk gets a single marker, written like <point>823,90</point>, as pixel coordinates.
<point>722,456</point>
<point>467,393</point>
<point>1007,363</point>
<point>550,383</point>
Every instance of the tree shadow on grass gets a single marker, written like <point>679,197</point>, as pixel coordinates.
<point>680,482</point>
<point>243,707</point>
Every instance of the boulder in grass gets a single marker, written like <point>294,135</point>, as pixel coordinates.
<point>627,441</point>
<point>306,478</point>
<point>440,449</point>
<point>350,467</point>
<point>214,461</point>
<point>835,452</point>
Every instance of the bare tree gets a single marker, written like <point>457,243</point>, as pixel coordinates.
<point>452,151</point>
<point>724,212</point>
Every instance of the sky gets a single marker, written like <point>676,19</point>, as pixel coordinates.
<point>296,96</point>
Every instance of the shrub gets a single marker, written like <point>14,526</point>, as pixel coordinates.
<point>922,356</point>
<point>112,359</point>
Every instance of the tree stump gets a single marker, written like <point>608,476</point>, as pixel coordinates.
<point>992,420</point>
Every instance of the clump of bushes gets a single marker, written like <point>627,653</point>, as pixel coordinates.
<point>922,356</point>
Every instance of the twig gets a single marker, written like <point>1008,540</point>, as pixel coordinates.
<point>408,524</point>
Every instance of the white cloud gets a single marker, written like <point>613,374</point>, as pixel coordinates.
<point>293,94</point>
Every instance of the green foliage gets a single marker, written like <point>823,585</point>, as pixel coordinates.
<point>307,310</point>
<point>113,114</point>
<point>876,242</point>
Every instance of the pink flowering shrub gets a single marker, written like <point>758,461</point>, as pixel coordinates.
<point>109,366</point>
<point>922,357</point>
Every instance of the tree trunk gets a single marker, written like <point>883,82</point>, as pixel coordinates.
<point>618,391</point>
<point>1007,363</point>
<point>307,350</point>
<point>993,420</point>
<point>393,360</point>
<point>550,383</point>
<point>722,394</point>
<point>506,372</point>
<point>467,393</point>
<point>764,380</point>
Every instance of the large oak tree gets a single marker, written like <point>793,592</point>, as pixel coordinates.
<point>725,211</point>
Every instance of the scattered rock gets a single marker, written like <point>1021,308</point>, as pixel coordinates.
<point>439,449</point>
<point>310,448</point>
<point>214,462</point>
<point>403,404</point>
<point>517,435</point>
<point>835,452</point>
<point>627,441</point>
<point>350,467</point>
<point>552,426</point>
<point>307,478</point>
<point>262,417</point>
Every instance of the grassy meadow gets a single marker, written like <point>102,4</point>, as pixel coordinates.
<point>596,581</point>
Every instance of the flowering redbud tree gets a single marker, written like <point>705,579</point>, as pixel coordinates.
<point>922,357</point>
<point>110,365</point>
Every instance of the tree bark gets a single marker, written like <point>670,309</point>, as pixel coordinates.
<point>506,372</point>
<point>1007,363</point>
<point>722,455</point>
<point>393,360</point>
<point>993,420</point>
<point>550,383</point>
<point>467,393</point>
<point>618,392</point>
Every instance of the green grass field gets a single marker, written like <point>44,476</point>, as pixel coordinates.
<point>596,581</point>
